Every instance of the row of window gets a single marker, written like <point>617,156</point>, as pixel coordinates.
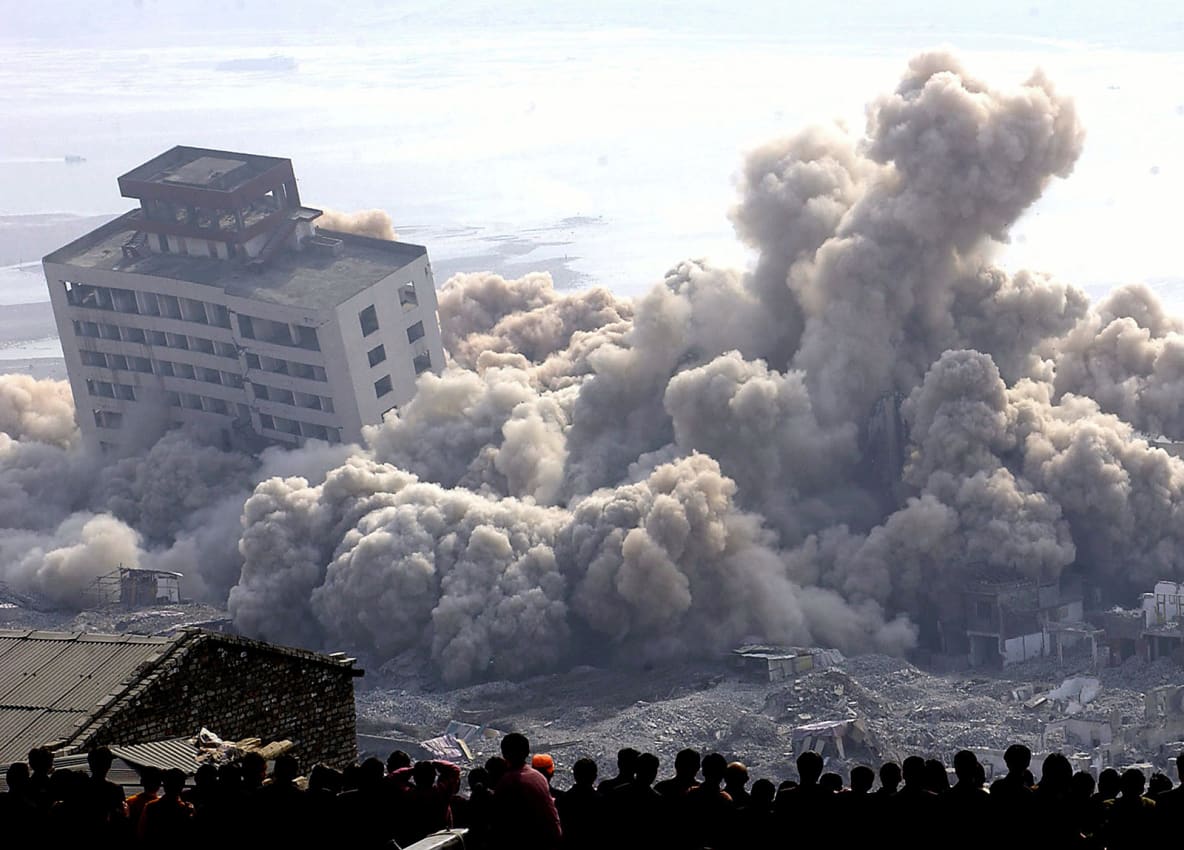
<point>113,419</point>
<point>141,303</point>
<point>163,368</point>
<point>278,395</point>
<point>276,366</point>
<point>184,342</point>
<point>278,333</point>
<point>296,428</point>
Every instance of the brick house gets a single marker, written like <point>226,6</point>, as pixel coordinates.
<point>77,691</point>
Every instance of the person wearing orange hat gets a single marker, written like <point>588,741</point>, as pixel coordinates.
<point>544,764</point>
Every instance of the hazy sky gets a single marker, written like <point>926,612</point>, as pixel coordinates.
<point>479,124</point>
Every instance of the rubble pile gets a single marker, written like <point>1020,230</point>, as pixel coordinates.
<point>865,710</point>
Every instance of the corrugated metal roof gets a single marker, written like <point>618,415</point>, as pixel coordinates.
<point>51,681</point>
<point>178,752</point>
<point>47,726</point>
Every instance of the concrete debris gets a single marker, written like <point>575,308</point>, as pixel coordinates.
<point>866,709</point>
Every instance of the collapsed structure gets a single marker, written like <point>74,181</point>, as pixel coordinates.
<point>74,692</point>
<point>218,303</point>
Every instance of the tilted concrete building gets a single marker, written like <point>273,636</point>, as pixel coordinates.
<point>220,304</point>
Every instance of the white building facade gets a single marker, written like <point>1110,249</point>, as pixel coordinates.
<point>218,304</point>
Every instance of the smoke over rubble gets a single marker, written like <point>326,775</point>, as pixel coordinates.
<point>594,476</point>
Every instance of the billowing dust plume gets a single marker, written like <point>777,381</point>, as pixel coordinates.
<point>376,224</point>
<point>595,478</point>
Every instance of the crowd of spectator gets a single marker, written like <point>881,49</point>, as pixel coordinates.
<point>706,803</point>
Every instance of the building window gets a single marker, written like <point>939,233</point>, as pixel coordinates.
<point>93,358</point>
<point>265,421</point>
<point>306,338</point>
<point>422,362</point>
<point>382,386</point>
<point>407,297</point>
<point>415,332</point>
<point>246,327</point>
<point>368,319</point>
<point>108,419</point>
<point>376,355</point>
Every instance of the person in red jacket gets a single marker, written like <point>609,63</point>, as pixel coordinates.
<point>525,817</point>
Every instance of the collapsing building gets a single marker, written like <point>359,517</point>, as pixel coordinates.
<point>219,303</point>
<point>74,692</point>
<point>1012,621</point>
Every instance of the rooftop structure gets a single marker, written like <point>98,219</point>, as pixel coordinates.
<point>75,691</point>
<point>219,303</point>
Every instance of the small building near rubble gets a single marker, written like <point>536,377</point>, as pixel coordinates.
<point>75,691</point>
<point>1012,621</point>
<point>1153,630</point>
<point>776,663</point>
<point>134,587</point>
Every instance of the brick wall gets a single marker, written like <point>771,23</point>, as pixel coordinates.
<point>238,689</point>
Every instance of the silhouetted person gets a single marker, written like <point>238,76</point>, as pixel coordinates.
<point>324,784</point>
<point>1130,820</point>
<point>912,811</point>
<point>365,809</point>
<point>281,805</point>
<point>889,780</point>
<point>635,810</point>
<point>937,779</point>
<point>831,782</point>
<point>480,809</point>
<point>1011,795</point>
<point>1053,804</point>
<point>757,823</point>
<point>1158,785</point>
<point>168,820</point>
<point>686,773</point>
<point>103,806</point>
<point>525,817</point>
<point>735,782</point>
<point>802,810</point>
<point>705,816</point>
<point>40,770</point>
<point>856,807</point>
<point>1085,812</point>
<point>626,765</point>
<point>582,809</point>
<point>967,802</point>
<point>427,800</point>
<point>396,761</point>
<point>68,821</point>
<point>18,813</point>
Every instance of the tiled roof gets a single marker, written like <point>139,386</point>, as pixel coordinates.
<point>51,682</point>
